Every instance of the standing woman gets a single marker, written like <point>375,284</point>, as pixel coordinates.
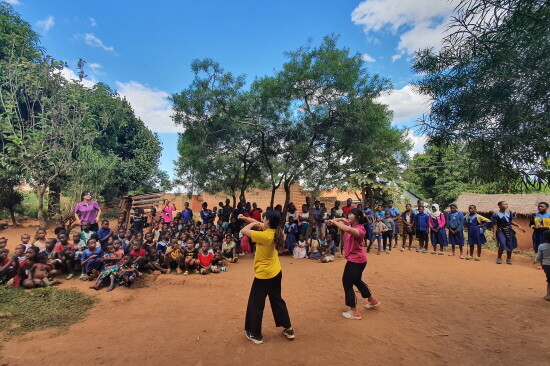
<point>503,220</point>
<point>88,210</point>
<point>166,211</point>
<point>540,222</point>
<point>267,281</point>
<point>354,233</point>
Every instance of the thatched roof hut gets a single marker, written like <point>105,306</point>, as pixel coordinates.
<point>521,204</point>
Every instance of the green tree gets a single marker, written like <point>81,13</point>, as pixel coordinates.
<point>217,152</point>
<point>17,39</point>
<point>490,83</point>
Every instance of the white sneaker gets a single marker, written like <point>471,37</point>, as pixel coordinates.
<point>351,315</point>
<point>70,276</point>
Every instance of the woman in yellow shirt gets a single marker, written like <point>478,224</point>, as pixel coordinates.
<point>267,281</point>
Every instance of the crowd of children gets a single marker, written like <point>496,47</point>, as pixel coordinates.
<point>167,243</point>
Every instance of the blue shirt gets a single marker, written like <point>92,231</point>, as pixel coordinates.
<point>161,247</point>
<point>455,221</point>
<point>87,254</point>
<point>103,233</point>
<point>393,211</point>
<point>380,214</point>
<point>421,221</point>
<point>187,215</point>
<point>205,216</point>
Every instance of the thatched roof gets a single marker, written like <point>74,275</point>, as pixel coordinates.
<point>523,204</point>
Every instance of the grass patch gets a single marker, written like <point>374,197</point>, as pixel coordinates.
<point>28,310</point>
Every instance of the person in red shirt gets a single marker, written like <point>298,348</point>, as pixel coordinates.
<point>348,207</point>
<point>256,212</point>
<point>205,259</point>
<point>138,253</point>
<point>65,252</point>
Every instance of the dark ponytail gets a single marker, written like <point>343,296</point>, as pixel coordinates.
<point>359,215</point>
<point>274,218</point>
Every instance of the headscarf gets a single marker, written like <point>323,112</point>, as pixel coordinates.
<point>435,213</point>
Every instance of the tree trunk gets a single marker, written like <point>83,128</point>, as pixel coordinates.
<point>54,202</point>
<point>311,218</point>
<point>272,201</point>
<point>242,197</point>
<point>12,214</point>
<point>40,214</point>
<point>286,186</point>
<point>234,201</point>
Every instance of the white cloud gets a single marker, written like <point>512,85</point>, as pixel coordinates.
<point>91,40</point>
<point>151,105</point>
<point>72,76</point>
<point>367,58</point>
<point>418,142</point>
<point>46,24</point>
<point>407,105</point>
<point>93,22</point>
<point>95,67</point>
<point>13,2</point>
<point>396,57</point>
<point>419,23</point>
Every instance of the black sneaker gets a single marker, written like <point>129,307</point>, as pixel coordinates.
<point>253,338</point>
<point>289,333</point>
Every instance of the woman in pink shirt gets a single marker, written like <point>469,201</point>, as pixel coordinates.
<point>167,209</point>
<point>354,252</point>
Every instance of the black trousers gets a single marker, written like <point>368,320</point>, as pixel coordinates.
<point>256,304</point>
<point>352,277</point>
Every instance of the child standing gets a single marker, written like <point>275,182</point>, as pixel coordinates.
<point>543,257</point>
<point>421,223</point>
<point>540,222</point>
<point>291,231</point>
<point>103,233</point>
<point>437,229</point>
<point>387,235</point>
<point>455,223</point>
<point>407,218</point>
<point>476,231</point>
<point>86,233</point>
<point>378,228</point>
<point>503,220</point>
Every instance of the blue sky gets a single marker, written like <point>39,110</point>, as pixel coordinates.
<point>144,49</point>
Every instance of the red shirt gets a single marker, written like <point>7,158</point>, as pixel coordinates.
<point>139,253</point>
<point>206,260</point>
<point>257,215</point>
<point>347,209</point>
<point>60,247</point>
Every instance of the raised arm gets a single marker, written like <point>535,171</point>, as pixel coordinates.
<point>345,228</point>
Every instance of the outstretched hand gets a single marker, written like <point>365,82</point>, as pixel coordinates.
<point>241,217</point>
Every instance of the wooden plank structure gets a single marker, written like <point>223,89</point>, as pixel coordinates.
<point>143,201</point>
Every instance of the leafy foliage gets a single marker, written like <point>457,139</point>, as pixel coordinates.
<point>490,85</point>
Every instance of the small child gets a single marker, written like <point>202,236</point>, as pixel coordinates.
<point>173,257</point>
<point>300,248</point>
<point>25,240</point>
<point>8,267</point>
<point>543,257</point>
<point>153,261</point>
<point>91,260</point>
<point>40,239</point>
<point>421,226</point>
<point>378,228</point>
<point>407,217</point>
<point>162,245</point>
<point>104,233</point>
<point>190,257</point>
<point>86,233</point>
<point>40,271</point>
<point>455,223</point>
<point>3,244</point>
<point>314,247</point>
<point>291,231</point>
<point>228,249</point>
<point>387,235</point>
<point>205,258</point>
<point>324,249</point>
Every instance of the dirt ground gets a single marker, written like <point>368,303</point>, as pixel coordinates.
<point>435,311</point>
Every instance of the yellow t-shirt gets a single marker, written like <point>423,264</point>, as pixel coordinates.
<point>266,258</point>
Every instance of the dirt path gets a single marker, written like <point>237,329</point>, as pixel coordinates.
<point>435,311</point>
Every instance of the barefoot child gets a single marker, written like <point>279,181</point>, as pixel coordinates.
<point>455,223</point>
<point>173,257</point>
<point>421,227</point>
<point>229,248</point>
<point>40,271</point>
<point>300,248</point>
<point>543,257</point>
<point>190,258</point>
<point>91,260</point>
<point>205,258</point>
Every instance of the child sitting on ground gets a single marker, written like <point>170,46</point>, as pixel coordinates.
<point>314,247</point>
<point>205,258</point>
<point>91,260</point>
<point>300,248</point>
<point>153,261</point>
<point>229,248</point>
<point>8,267</point>
<point>40,271</point>
<point>190,257</point>
<point>173,257</point>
